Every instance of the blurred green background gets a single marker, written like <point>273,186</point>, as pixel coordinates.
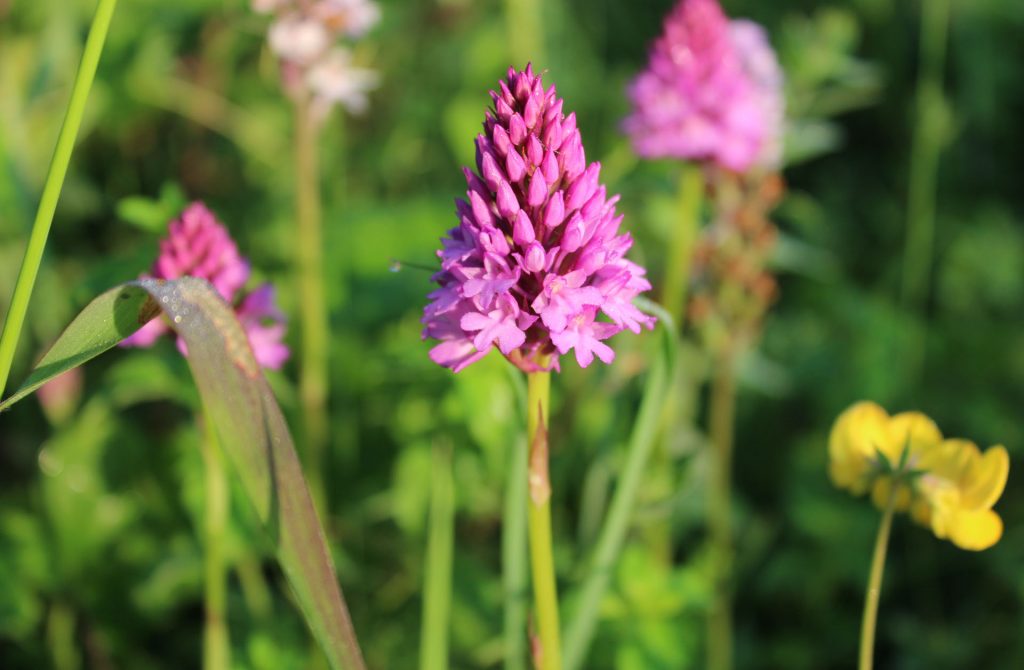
<point>100,501</point>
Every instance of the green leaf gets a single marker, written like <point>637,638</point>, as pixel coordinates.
<point>249,423</point>
<point>106,321</point>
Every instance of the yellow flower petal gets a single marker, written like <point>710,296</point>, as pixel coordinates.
<point>852,444</point>
<point>987,478</point>
<point>976,530</point>
<point>951,459</point>
<point>910,430</point>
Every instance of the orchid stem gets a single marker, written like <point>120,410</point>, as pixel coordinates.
<point>874,591</point>
<point>525,27</point>
<point>722,410</point>
<point>216,644</point>
<point>545,592</point>
<point>15,319</point>
<point>682,236</point>
<point>314,327</point>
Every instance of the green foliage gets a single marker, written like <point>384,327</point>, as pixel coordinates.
<point>187,105</point>
<point>247,419</point>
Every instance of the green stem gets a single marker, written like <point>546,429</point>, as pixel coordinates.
<point>721,415</point>
<point>515,571</point>
<point>867,630</point>
<point>438,570</point>
<point>925,149</point>
<point>609,544</point>
<point>216,645</point>
<point>682,236</point>
<point>314,327</point>
<point>545,592</point>
<point>60,634</point>
<point>525,29</point>
<point>51,189</point>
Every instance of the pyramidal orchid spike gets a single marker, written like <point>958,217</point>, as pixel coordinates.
<point>198,245</point>
<point>536,267</point>
<point>712,91</point>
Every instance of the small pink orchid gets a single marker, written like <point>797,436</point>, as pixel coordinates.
<point>536,255</point>
<point>198,245</point>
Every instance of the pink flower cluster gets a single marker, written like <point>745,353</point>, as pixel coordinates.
<point>198,245</point>
<point>537,252</point>
<point>304,35</point>
<point>712,91</point>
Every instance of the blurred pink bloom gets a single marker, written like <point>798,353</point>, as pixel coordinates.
<point>334,79</point>
<point>264,323</point>
<point>268,6</point>
<point>59,397</point>
<point>537,252</point>
<point>198,245</point>
<point>352,18</point>
<point>304,36</point>
<point>698,98</point>
<point>298,39</point>
<point>762,66</point>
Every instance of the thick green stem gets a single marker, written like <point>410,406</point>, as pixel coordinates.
<point>867,629</point>
<point>613,533</point>
<point>216,645</point>
<point>545,592</point>
<point>525,29</point>
<point>515,571</point>
<point>924,156</point>
<point>682,236</point>
<point>437,590</point>
<point>314,327</point>
<point>60,635</point>
<point>721,415</point>
<point>51,189</point>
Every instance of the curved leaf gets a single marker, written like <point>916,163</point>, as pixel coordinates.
<point>249,423</point>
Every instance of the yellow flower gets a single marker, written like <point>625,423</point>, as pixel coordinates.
<point>947,485</point>
<point>957,489</point>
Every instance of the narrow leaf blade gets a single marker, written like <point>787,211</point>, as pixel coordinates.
<point>249,423</point>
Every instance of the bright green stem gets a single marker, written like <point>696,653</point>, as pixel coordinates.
<point>580,632</point>
<point>60,634</point>
<point>867,629</point>
<point>515,571</point>
<point>51,189</point>
<point>721,411</point>
<point>437,598</point>
<point>312,303</point>
<point>682,236</point>
<point>545,592</point>
<point>216,645</point>
<point>525,27</point>
<point>924,156</point>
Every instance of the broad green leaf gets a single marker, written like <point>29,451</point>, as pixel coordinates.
<point>249,424</point>
<point>107,320</point>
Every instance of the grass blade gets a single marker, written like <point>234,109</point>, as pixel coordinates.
<point>437,589</point>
